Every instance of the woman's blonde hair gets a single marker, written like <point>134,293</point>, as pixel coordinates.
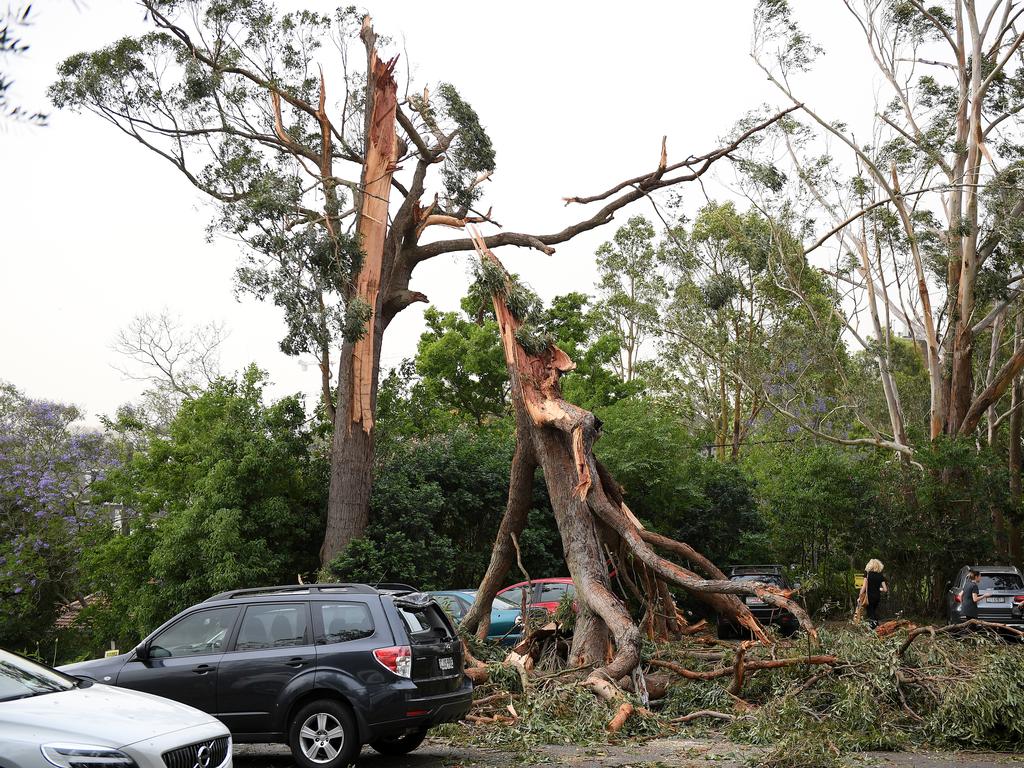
<point>874,566</point>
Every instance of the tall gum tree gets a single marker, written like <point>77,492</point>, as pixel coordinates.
<point>322,169</point>
<point>928,215</point>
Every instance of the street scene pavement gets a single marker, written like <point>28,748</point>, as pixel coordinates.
<point>661,753</point>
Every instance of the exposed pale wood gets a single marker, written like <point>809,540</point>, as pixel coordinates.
<point>372,224</point>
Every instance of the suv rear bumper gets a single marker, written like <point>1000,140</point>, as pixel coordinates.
<point>429,711</point>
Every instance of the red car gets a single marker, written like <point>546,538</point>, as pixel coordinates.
<point>541,593</point>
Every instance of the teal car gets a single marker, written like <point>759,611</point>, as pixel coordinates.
<point>506,621</point>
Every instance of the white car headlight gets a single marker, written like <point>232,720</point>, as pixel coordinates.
<point>85,756</point>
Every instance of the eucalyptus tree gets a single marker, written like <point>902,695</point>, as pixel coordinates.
<point>737,337</point>
<point>631,289</point>
<point>927,214</point>
<point>321,168</point>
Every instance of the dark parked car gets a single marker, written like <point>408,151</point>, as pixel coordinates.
<point>773,575</point>
<point>324,668</point>
<point>1005,605</point>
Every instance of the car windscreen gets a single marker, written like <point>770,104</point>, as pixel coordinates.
<point>1000,582</point>
<point>765,578</point>
<point>21,678</point>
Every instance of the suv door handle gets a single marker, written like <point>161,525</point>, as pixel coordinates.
<point>202,669</point>
<point>295,661</point>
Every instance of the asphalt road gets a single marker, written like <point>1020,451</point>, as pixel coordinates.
<point>678,753</point>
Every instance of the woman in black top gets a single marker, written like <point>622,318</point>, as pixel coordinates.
<point>875,584</point>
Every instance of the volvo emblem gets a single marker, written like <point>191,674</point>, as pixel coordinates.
<point>203,757</point>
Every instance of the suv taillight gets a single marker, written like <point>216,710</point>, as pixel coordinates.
<point>956,597</point>
<point>397,659</point>
<point>1018,598</point>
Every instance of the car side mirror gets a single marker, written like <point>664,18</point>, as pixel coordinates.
<point>142,651</point>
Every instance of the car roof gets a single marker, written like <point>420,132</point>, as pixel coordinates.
<point>551,580</point>
<point>749,570</point>
<point>325,591</point>
<point>994,569</point>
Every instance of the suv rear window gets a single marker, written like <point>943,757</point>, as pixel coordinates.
<point>1000,581</point>
<point>424,625</point>
<point>343,622</point>
<point>764,578</point>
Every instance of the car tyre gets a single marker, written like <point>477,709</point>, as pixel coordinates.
<point>400,745</point>
<point>323,734</point>
<point>725,632</point>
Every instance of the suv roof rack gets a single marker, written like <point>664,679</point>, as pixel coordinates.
<point>391,586</point>
<point>294,589</point>
<point>767,568</point>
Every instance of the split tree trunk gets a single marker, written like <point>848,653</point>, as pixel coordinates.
<point>359,365</point>
<point>591,516</point>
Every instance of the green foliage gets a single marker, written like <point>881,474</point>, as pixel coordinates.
<point>630,290</point>
<point>231,497</point>
<point>461,366</point>
<point>435,509</point>
<point>472,153</point>
<point>670,484</point>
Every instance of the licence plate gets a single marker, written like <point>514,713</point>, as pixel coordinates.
<point>997,599</point>
<point>755,601</point>
<point>445,662</point>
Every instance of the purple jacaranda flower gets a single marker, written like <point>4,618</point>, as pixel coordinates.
<point>792,429</point>
<point>17,590</point>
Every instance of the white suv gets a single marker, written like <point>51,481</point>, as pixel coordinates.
<point>51,720</point>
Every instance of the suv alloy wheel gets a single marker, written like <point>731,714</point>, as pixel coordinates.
<point>323,735</point>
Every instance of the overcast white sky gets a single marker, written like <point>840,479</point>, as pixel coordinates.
<point>575,95</point>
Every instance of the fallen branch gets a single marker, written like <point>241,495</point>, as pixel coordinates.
<point>624,713</point>
<point>956,629</point>
<point>748,666</point>
<point>703,713</point>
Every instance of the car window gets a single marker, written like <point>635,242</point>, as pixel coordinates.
<point>273,625</point>
<point>21,678</point>
<point>343,622</point>
<point>424,624</point>
<point>1000,581</point>
<point>502,603</point>
<point>451,604</point>
<point>514,596</point>
<point>552,593</point>
<point>196,634</point>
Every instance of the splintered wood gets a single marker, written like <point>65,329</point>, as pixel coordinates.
<point>372,226</point>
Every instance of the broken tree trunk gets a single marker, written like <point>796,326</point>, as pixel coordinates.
<point>358,367</point>
<point>589,510</point>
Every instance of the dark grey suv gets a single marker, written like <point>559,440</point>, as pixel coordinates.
<point>324,668</point>
<point>1004,586</point>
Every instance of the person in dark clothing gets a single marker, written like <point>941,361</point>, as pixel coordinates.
<point>971,596</point>
<point>875,584</point>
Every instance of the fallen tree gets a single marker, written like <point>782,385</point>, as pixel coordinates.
<point>597,528</point>
<point>949,688</point>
